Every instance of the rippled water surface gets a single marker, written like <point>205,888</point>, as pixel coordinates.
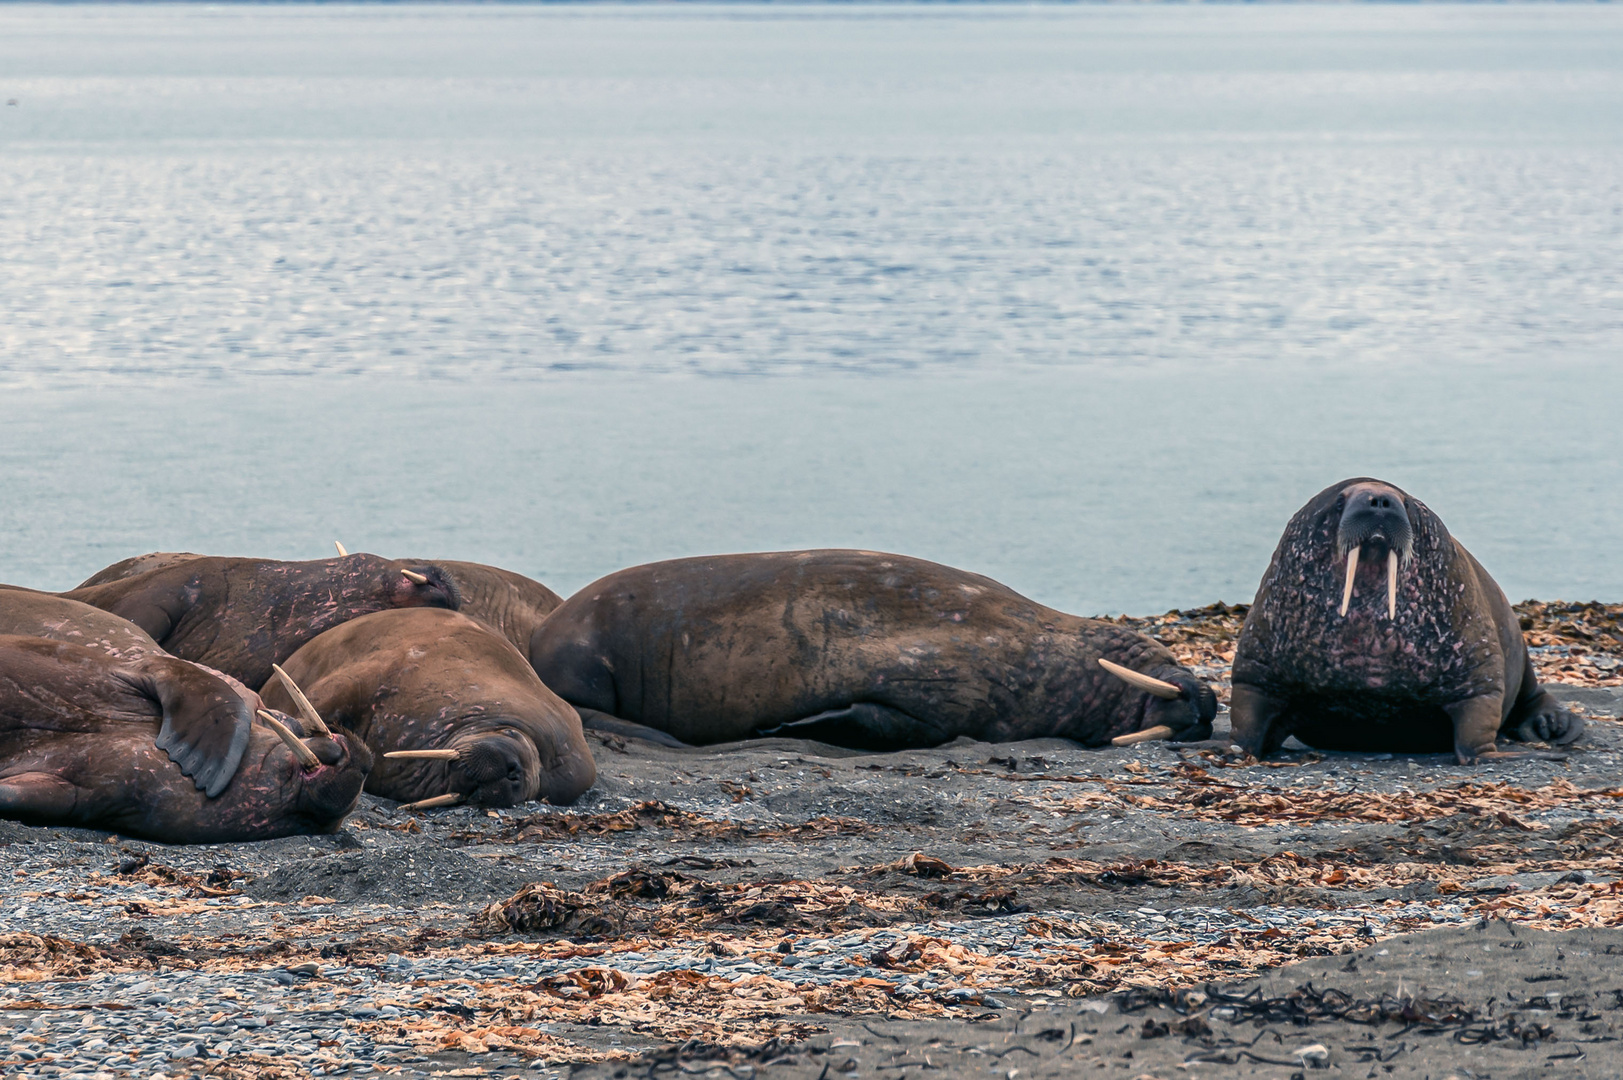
<point>1086,298</point>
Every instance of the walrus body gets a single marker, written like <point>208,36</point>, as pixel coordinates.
<point>80,744</point>
<point>46,615</point>
<point>243,615</point>
<point>137,564</point>
<point>427,680</point>
<point>1374,629</point>
<point>857,648</point>
<point>509,603</point>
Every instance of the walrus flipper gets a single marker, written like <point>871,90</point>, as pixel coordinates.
<point>36,796</point>
<point>1542,719</point>
<point>592,720</point>
<point>206,723</point>
<point>862,726</point>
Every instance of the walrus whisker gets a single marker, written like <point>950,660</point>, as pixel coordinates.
<point>1352,571</point>
<point>1392,585</point>
<point>424,755</point>
<point>415,578</point>
<point>448,799</point>
<point>307,711</point>
<point>1159,733</point>
<point>1148,683</point>
<point>305,755</point>
<point>343,552</point>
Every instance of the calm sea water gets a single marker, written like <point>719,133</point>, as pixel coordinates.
<point>1089,299</point>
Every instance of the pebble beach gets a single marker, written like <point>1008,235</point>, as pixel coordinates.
<point>744,908</point>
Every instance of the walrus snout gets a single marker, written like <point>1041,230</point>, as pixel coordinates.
<point>496,770</point>
<point>1190,715</point>
<point>425,585</point>
<point>1374,524</point>
<point>1374,514</point>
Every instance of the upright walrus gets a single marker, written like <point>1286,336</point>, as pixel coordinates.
<point>81,743</point>
<point>452,710</point>
<point>243,615</point>
<point>857,648</point>
<point>1374,629</point>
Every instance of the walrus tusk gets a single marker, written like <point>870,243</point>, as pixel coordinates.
<point>1159,733</point>
<point>1148,683</point>
<point>425,755</point>
<point>1392,585</point>
<point>415,578</point>
<point>448,799</point>
<point>307,711</point>
<point>1352,570</point>
<point>343,552</point>
<point>306,757</point>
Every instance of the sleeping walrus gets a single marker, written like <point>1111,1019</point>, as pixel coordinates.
<point>83,742</point>
<point>1374,629</point>
<point>452,709</point>
<point>243,615</point>
<point>508,602</point>
<point>862,649</point>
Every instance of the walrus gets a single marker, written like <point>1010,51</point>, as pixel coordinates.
<point>243,615</point>
<point>82,739</point>
<point>510,602</point>
<point>856,648</point>
<point>1375,630</point>
<point>453,711</point>
<point>205,730</point>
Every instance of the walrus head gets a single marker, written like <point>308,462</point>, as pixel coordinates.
<point>294,779</point>
<point>1178,706</point>
<point>505,767</point>
<point>1374,529</point>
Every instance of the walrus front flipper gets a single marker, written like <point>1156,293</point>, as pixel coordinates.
<point>863,726</point>
<point>1255,718</point>
<point>592,720</point>
<point>37,797</point>
<point>206,722</point>
<point>1476,725</point>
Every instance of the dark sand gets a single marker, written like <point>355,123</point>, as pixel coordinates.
<point>817,908</point>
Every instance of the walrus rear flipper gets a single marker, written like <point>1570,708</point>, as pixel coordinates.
<point>206,722</point>
<point>863,726</point>
<point>592,720</point>
<point>37,797</point>
<point>1538,717</point>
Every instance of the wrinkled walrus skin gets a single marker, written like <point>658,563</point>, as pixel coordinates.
<point>79,735</point>
<point>243,615</point>
<point>857,648</point>
<point>37,614</point>
<point>206,740</point>
<point>512,604</point>
<point>427,679</point>
<point>509,602</point>
<point>1449,671</point>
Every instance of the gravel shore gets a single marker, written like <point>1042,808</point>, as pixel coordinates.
<point>791,909</point>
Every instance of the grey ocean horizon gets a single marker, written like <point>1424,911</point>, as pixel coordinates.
<point>1088,300</point>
